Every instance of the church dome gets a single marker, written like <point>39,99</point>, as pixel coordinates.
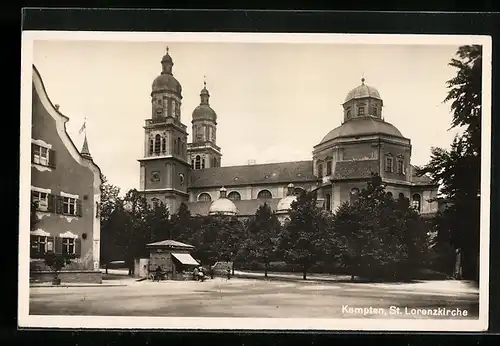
<point>204,112</point>
<point>223,205</point>
<point>285,204</point>
<point>166,82</point>
<point>363,126</point>
<point>362,91</point>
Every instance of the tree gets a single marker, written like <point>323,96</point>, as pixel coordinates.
<point>157,220</point>
<point>183,225</point>
<point>133,236</point>
<point>262,238</point>
<point>305,235</point>
<point>378,236</point>
<point>458,170</point>
<point>109,229</point>
<point>57,262</point>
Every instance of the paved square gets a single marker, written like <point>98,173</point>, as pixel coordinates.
<point>257,298</point>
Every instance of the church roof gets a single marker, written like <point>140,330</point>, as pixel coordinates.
<point>269,173</point>
<point>245,207</point>
<point>355,169</point>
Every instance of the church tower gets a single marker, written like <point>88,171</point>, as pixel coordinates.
<point>164,167</point>
<point>203,152</point>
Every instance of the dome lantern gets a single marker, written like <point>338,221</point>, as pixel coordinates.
<point>363,101</point>
<point>285,204</point>
<point>166,82</point>
<point>223,205</point>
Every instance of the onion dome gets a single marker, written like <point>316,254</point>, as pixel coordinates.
<point>223,205</point>
<point>285,203</point>
<point>166,81</point>
<point>362,91</point>
<point>204,111</point>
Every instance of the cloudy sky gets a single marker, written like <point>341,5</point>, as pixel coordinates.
<point>274,101</point>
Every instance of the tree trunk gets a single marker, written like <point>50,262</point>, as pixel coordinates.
<point>106,267</point>
<point>352,277</point>
<point>304,273</point>
<point>232,271</point>
<point>266,265</point>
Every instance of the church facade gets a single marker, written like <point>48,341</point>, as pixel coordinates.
<point>174,171</point>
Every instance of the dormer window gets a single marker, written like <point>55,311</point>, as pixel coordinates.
<point>361,111</point>
<point>348,114</point>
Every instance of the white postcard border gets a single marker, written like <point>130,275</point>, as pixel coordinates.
<point>99,322</point>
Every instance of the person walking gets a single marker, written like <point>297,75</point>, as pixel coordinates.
<point>195,274</point>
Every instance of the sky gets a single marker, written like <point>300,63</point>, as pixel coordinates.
<point>274,101</point>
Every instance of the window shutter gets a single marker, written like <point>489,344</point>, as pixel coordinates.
<point>33,146</point>
<point>78,247</point>
<point>52,158</point>
<point>78,208</point>
<point>33,246</point>
<point>58,245</point>
<point>50,240</point>
<point>58,201</point>
<point>50,202</point>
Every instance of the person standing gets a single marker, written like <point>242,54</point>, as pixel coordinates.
<point>195,273</point>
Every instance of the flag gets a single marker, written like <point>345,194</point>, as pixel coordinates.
<point>83,128</point>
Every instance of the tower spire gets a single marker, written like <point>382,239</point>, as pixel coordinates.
<point>204,94</point>
<point>85,147</point>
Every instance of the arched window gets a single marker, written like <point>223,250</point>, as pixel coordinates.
<point>354,194</point>
<point>328,202</point>
<point>374,111</point>
<point>400,168</point>
<point>401,195</point>
<point>151,147</point>
<point>320,170</point>
<point>234,196</point>
<point>157,144</point>
<point>179,145</point>
<point>203,163</point>
<point>329,167</point>
<point>163,144</point>
<point>389,194</point>
<point>264,194</point>
<point>175,146</point>
<point>197,162</point>
<point>298,191</point>
<point>416,202</point>
<point>204,197</point>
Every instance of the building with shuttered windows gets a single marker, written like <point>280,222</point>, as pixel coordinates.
<point>65,195</point>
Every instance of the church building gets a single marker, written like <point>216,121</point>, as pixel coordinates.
<point>174,171</point>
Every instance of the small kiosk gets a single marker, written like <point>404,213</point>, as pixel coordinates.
<point>173,257</point>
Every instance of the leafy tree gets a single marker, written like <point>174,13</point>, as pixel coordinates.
<point>57,262</point>
<point>133,237</point>
<point>305,235</point>
<point>109,229</point>
<point>378,236</point>
<point>157,220</point>
<point>458,170</point>
<point>262,236</point>
<point>183,225</point>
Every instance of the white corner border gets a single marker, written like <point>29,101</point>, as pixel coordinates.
<point>30,321</point>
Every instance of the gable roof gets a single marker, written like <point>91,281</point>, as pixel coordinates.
<point>171,243</point>
<point>269,173</point>
<point>246,207</point>
<point>355,169</point>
